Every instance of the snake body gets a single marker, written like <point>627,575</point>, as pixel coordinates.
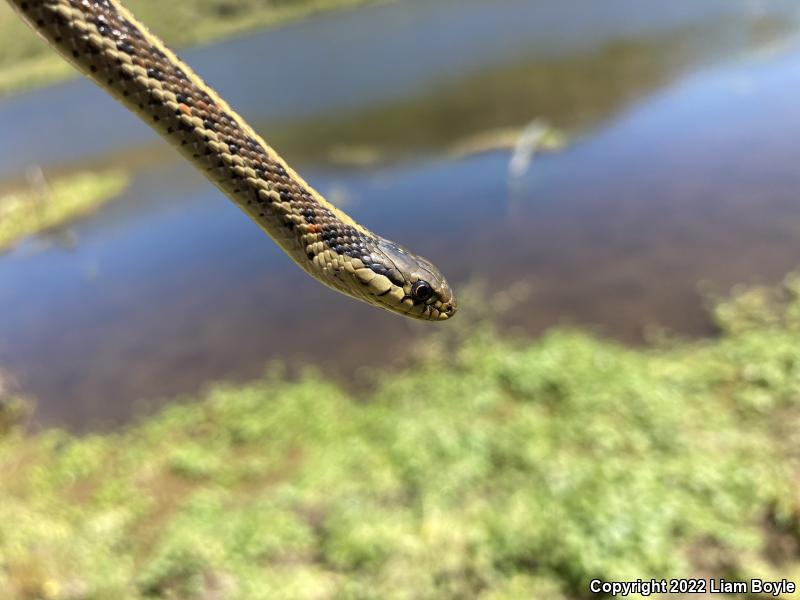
<point>109,45</point>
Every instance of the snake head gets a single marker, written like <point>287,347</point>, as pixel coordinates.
<point>401,282</point>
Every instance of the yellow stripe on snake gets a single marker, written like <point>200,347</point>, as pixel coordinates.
<point>109,45</point>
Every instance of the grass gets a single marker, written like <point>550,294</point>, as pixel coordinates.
<point>27,62</point>
<point>45,207</point>
<point>494,469</point>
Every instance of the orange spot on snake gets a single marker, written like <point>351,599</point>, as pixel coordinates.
<point>185,109</point>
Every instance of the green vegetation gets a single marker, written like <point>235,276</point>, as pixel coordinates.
<point>493,469</point>
<point>46,207</point>
<point>26,61</point>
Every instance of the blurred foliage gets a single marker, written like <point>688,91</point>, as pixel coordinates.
<point>14,409</point>
<point>493,469</point>
<point>26,61</point>
<point>45,207</point>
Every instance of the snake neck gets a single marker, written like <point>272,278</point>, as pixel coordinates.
<point>104,41</point>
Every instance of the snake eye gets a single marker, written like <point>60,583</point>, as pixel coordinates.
<point>421,290</point>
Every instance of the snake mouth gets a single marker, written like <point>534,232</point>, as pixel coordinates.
<point>444,307</point>
<point>436,311</point>
<point>447,310</point>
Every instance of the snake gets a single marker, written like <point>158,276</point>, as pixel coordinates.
<point>108,44</point>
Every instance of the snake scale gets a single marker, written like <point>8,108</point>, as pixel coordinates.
<point>109,45</point>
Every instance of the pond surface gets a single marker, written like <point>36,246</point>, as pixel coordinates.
<point>680,168</point>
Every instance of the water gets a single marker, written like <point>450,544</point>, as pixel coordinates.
<point>680,169</point>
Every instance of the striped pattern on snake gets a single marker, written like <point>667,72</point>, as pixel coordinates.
<point>109,45</point>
